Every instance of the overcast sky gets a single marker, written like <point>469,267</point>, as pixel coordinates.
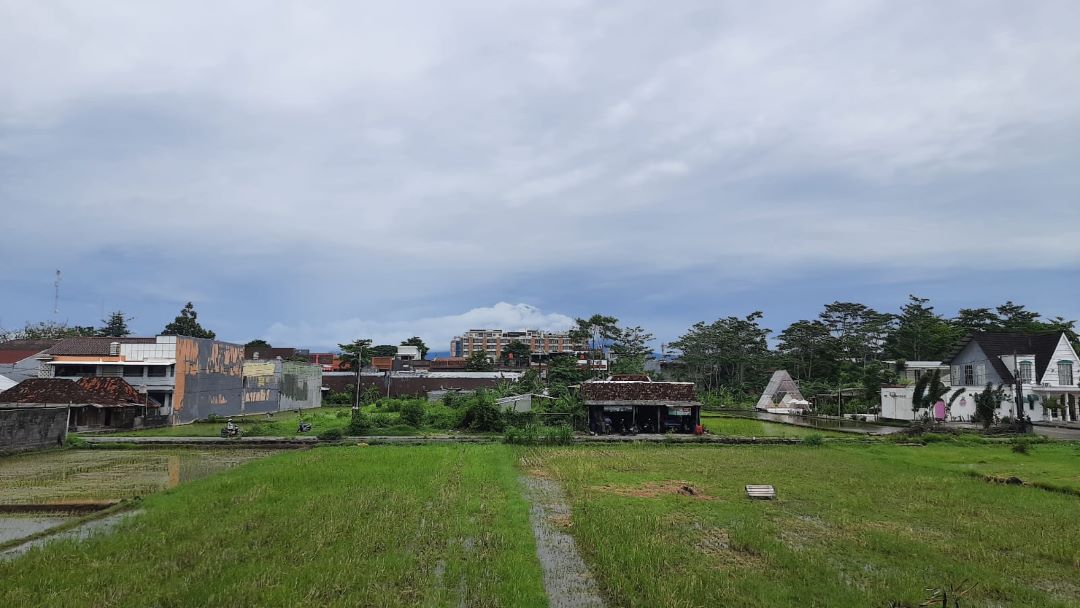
<point>311,172</point>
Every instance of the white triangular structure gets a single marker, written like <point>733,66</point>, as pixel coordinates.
<point>782,394</point>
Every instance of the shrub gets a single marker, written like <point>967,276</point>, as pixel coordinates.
<point>381,420</point>
<point>359,423</point>
<point>255,430</point>
<point>442,417</point>
<point>534,434</point>
<point>412,413</point>
<point>330,435</point>
<point>814,439</point>
<point>1022,447</point>
<point>74,441</point>
<point>342,414</point>
<point>482,414</point>
<point>215,418</point>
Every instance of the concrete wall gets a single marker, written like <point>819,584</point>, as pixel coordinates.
<point>32,428</point>
<point>209,379</point>
<point>301,385</point>
<point>408,387</point>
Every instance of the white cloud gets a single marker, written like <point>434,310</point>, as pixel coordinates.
<point>436,331</point>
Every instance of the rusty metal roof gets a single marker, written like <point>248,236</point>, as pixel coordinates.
<point>47,390</point>
<point>624,390</point>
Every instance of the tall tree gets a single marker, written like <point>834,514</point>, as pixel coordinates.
<point>418,343</point>
<point>352,352</point>
<point>516,354</point>
<point>383,350</point>
<point>47,330</point>
<point>977,319</point>
<point>115,325</point>
<point>563,371</point>
<point>1016,317</point>
<point>811,350</point>
<point>478,362</point>
<point>630,347</point>
<point>258,342</point>
<point>859,330</point>
<point>731,352</point>
<point>187,324</point>
<point>920,334</point>
<point>596,333</point>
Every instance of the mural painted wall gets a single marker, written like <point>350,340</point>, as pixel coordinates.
<point>209,379</point>
<point>278,385</point>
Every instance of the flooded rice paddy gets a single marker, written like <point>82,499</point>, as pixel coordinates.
<point>74,476</point>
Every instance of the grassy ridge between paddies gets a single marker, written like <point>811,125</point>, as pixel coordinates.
<point>852,525</point>
<point>343,526</point>
<point>733,426</point>
<point>282,424</point>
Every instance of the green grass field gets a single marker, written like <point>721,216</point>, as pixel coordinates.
<point>282,424</point>
<point>852,526</point>
<point>348,526</point>
<point>746,427</point>
<point>658,525</point>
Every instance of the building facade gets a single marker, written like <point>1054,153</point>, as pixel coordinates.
<point>492,342</point>
<point>190,378</point>
<point>279,385</point>
<point>1044,365</point>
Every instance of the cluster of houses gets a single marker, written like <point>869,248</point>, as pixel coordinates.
<point>1042,367</point>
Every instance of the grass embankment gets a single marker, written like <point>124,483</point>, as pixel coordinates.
<point>720,424</point>
<point>853,525</point>
<point>283,424</point>
<point>345,526</point>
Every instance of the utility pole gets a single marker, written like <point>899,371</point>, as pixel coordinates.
<point>359,366</point>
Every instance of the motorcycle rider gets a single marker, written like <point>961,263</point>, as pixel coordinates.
<point>230,427</point>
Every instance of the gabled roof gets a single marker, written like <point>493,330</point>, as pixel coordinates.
<point>47,390</point>
<point>998,344</point>
<point>93,346</point>
<point>114,390</point>
<point>14,351</point>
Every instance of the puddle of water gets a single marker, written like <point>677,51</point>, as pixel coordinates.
<point>97,526</point>
<point>567,580</point>
<point>20,526</point>
<point>86,475</point>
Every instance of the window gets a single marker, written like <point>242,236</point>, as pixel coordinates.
<point>980,374</point>
<point>157,371</point>
<point>67,371</point>
<point>969,375</point>
<point>133,371</point>
<point>1027,369</point>
<point>1065,373</point>
<point>955,377</point>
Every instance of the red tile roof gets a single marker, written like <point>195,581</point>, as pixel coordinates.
<point>114,390</point>
<point>47,390</point>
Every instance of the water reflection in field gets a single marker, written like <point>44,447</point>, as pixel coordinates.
<point>87,475</point>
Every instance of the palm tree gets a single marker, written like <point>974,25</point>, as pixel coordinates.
<point>929,389</point>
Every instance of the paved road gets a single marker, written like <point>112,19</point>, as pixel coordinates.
<point>1054,432</point>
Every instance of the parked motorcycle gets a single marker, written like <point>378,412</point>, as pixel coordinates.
<point>235,432</point>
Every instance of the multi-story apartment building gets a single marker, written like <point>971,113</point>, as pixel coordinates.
<point>492,341</point>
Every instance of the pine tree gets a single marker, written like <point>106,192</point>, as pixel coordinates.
<point>187,324</point>
<point>115,325</point>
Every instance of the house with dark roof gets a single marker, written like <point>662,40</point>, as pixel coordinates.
<point>625,403</point>
<point>91,402</point>
<point>1044,364</point>
<point>18,360</point>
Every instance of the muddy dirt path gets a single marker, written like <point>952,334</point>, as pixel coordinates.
<point>566,577</point>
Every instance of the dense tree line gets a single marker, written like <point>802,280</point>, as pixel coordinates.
<point>848,345</point>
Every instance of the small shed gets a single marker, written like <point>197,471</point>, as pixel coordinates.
<point>627,403</point>
<point>92,402</point>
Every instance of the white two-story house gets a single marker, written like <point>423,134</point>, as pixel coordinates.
<point>1045,364</point>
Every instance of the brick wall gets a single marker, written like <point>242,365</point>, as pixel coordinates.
<point>32,428</point>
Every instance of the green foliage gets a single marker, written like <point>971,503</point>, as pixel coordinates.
<point>478,362</point>
<point>258,342</point>
<point>187,324</point>
<point>74,441</point>
<point>115,325</point>
<point>439,416</point>
<point>920,334</point>
<point>359,424</point>
<point>730,352</point>
<point>929,389</point>
<point>481,413</point>
<point>357,350</point>
<point>515,354</point>
<point>330,435</point>
<point>339,397</point>
<point>383,350</point>
<point>46,330</point>
<point>813,439</point>
<point>563,371</point>
<point>412,413</point>
<point>418,343</point>
<point>987,403</point>
<point>536,434</point>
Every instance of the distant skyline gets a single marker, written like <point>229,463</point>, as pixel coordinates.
<point>312,174</point>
